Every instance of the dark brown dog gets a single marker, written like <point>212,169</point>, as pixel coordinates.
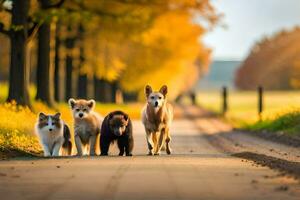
<point>116,126</point>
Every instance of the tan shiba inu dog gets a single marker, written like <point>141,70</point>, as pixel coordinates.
<point>157,116</point>
<point>87,125</point>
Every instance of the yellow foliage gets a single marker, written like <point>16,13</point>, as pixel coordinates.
<point>172,55</point>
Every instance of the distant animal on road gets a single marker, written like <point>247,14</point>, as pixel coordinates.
<point>117,126</point>
<point>54,135</point>
<point>87,125</point>
<point>157,116</point>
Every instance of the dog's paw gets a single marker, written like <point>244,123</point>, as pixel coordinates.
<point>157,153</point>
<point>150,153</point>
<point>103,154</point>
<point>169,151</point>
<point>129,154</point>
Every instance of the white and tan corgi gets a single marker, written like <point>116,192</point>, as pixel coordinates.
<point>157,116</point>
<point>87,125</point>
<point>54,135</point>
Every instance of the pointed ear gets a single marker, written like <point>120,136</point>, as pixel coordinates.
<point>91,103</point>
<point>126,117</point>
<point>57,115</point>
<point>148,90</point>
<point>72,102</point>
<point>42,116</point>
<point>164,90</point>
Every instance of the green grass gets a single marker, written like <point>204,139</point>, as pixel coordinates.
<point>281,110</point>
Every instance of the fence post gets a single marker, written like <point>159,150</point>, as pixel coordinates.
<point>224,103</point>
<point>260,102</point>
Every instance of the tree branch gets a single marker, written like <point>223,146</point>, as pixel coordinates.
<point>56,5</point>
<point>33,30</point>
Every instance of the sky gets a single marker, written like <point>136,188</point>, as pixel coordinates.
<point>247,22</point>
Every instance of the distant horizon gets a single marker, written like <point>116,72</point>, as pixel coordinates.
<point>224,59</point>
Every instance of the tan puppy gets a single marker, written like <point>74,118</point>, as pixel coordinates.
<point>157,116</point>
<point>87,125</point>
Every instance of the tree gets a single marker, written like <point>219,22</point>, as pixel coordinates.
<point>19,32</point>
<point>44,76</point>
<point>273,63</point>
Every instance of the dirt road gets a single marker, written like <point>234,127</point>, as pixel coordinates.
<point>200,168</point>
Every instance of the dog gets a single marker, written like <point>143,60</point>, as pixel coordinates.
<point>117,126</point>
<point>54,135</point>
<point>87,124</point>
<point>157,117</point>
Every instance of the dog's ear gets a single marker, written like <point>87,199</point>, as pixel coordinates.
<point>57,115</point>
<point>164,90</point>
<point>148,90</point>
<point>110,115</point>
<point>72,102</point>
<point>42,116</point>
<point>126,118</point>
<point>91,103</point>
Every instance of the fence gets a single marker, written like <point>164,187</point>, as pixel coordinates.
<point>260,102</point>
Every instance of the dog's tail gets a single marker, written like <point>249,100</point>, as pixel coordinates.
<point>67,145</point>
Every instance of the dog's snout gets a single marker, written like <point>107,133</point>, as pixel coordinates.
<point>50,129</point>
<point>80,115</point>
<point>156,103</point>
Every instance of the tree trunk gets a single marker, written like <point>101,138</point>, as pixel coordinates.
<point>44,68</point>
<point>82,86</point>
<point>103,90</point>
<point>69,77</point>
<point>82,76</point>
<point>57,68</point>
<point>114,89</point>
<point>130,96</point>
<point>69,72</point>
<point>18,83</point>
<point>97,94</point>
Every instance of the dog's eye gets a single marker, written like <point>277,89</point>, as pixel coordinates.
<point>152,97</point>
<point>159,97</point>
<point>52,124</point>
<point>84,110</point>
<point>77,110</point>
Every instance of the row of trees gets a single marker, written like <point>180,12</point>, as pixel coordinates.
<point>93,48</point>
<point>274,63</point>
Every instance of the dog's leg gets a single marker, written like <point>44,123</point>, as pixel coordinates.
<point>93,145</point>
<point>168,140</point>
<point>161,141</point>
<point>56,148</point>
<point>47,152</point>
<point>149,142</point>
<point>78,145</point>
<point>121,146</point>
<point>104,145</point>
<point>129,146</point>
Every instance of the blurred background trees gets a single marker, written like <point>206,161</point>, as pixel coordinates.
<point>274,63</point>
<point>102,49</point>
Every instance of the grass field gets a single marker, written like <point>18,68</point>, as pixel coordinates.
<point>17,123</point>
<point>281,109</point>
